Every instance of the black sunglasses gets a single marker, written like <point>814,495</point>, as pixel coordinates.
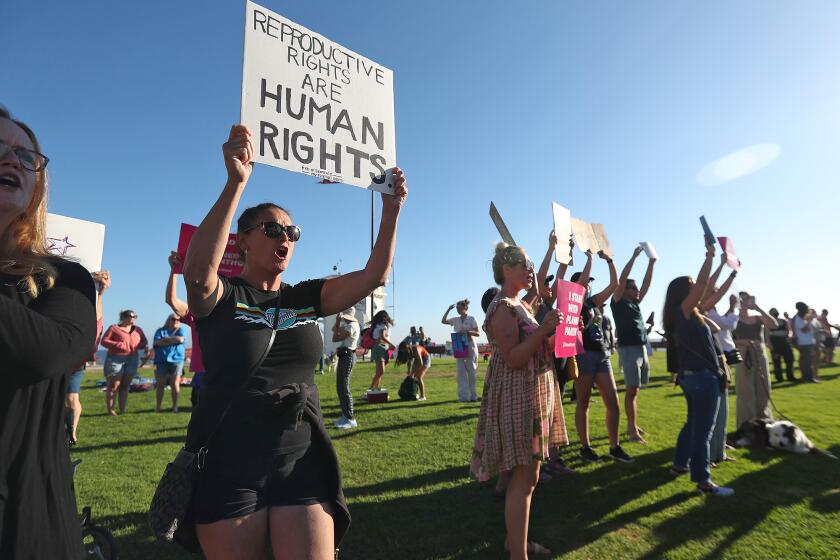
<point>29,159</point>
<point>273,230</point>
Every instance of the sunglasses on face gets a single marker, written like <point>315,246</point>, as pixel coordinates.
<point>273,230</point>
<point>29,159</point>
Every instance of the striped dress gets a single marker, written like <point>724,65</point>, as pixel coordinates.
<point>521,414</point>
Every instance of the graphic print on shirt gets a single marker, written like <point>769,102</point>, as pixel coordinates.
<point>289,318</point>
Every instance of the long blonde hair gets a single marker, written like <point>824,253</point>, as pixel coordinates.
<point>25,238</point>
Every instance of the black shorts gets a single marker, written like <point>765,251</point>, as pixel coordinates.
<point>238,484</point>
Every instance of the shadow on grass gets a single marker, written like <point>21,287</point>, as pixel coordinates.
<point>757,494</point>
<point>444,421</point>
<point>133,443</point>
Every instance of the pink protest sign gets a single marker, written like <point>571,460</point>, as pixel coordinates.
<point>231,264</point>
<point>570,296</point>
<point>729,250</point>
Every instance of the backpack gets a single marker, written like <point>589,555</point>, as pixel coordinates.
<point>409,389</point>
<point>367,338</point>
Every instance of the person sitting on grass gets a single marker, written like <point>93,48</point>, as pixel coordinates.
<point>169,359</point>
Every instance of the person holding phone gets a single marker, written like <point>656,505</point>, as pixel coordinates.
<point>690,334</point>
<point>752,374</point>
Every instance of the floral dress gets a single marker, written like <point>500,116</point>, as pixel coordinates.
<point>521,415</point>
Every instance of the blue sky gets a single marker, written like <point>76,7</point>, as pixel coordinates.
<point>609,108</point>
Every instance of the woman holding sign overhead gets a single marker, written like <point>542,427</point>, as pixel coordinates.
<point>268,472</point>
<point>521,417</point>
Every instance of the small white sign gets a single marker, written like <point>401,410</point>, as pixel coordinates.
<point>649,249</point>
<point>314,106</point>
<point>77,240</point>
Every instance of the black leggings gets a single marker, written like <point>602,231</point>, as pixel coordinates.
<point>346,361</point>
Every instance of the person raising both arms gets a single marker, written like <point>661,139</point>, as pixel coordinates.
<point>269,473</point>
<point>699,374</point>
<point>47,326</point>
<point>180,308</point>
<point>632,339</point>
<point>595,367</point>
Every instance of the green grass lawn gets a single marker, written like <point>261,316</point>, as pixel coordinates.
<point>406,480</point>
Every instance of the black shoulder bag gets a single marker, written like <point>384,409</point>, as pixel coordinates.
<point>169,512</point>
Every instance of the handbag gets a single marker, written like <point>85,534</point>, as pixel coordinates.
<point>572,371</point>
<point>169,513</point>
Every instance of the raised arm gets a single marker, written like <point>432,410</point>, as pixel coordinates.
<point>348,289</point>
<point>102,280</point>
<point>695,294</point>
<point>585,274</point>
<point>713,296</point>
<point>768,320</point>
<point>604,294</point>
<point>713,279</point>
<point>179,306</point>
<point>207,247</point>
<point>543,271</point>
<point>618,294</point>
<point>445,319</point>
<point>647,280</point>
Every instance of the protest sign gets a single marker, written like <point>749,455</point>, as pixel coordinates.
<point>649,249</point>
<point>232,263</point>
<point>728,248</point>
<point>77,240</point>
<point>570,296</point>
<point>563,231</point>
<point>460,345</point>
<point>600,234</point>
<point>707,231</point>
<point>500,225</point>
<point>314,106</point>
<point>584,236</point>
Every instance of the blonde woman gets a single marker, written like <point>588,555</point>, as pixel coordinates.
<point>521,417</point>
<point>47,326</point>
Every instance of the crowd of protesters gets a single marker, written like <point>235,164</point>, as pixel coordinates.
<point>256,343</point>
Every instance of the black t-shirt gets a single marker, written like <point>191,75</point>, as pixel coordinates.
<point>694,344</point>
<point>233,337</point>
<point>781,330</point>
<point>591,324</point>
<point>629,326</point>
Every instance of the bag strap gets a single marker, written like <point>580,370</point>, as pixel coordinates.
<point>202,452</point>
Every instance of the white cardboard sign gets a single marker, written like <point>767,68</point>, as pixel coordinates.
<point>78,240</point>
<point>584,236</point>
<point>314,106</point>
<point>563,231</point>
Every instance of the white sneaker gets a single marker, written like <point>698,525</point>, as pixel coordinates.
<point>346,424</point>
<point>421,398</point>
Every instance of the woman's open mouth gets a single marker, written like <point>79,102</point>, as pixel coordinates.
<point>10,180</point>
<point>281,252</point>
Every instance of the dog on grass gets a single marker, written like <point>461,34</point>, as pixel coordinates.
<point>778,434</point>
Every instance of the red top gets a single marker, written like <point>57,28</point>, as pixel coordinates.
<point>121,343</point>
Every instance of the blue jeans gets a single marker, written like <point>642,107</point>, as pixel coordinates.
<point>702,394</point>
<point>717,447</point>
